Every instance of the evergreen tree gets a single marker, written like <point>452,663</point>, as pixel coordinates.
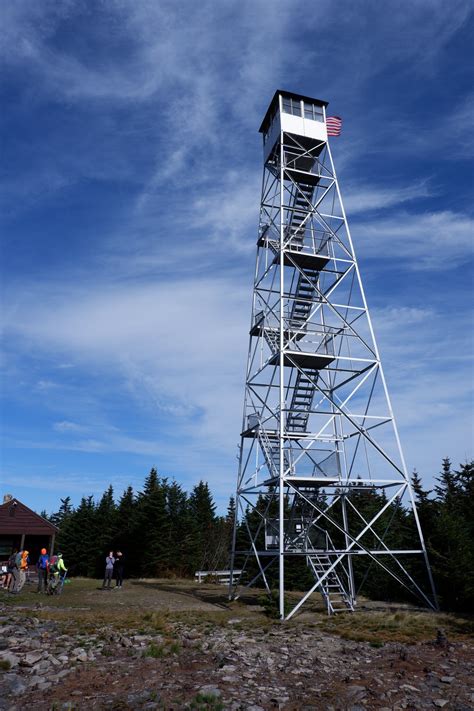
<point>230,516</point>
<point>447,482</point>
<point>125,531</point>
<point>451,543</point>
<point>65,510</point>
<point>105,528</point>
<point>176,562</point>
<point>77,539</point>
<point>151,526</point>
<point>201,527</point>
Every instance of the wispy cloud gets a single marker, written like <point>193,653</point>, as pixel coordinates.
<point>364,198</point>
<point>177,344</point>
<point>426,356</point>
<point>432,241</point>
<point>69,427</point>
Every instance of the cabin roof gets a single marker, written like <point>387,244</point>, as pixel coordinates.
<point>18,519</point>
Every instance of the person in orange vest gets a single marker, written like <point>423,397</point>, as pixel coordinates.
<point>24,563</point>
<point>20,570</point>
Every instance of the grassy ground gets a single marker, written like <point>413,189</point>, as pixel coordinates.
<point>151,604</point>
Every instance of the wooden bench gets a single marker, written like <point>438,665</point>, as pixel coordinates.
<point>222,577</point>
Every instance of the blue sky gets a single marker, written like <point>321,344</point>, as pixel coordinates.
<point>130,194</point>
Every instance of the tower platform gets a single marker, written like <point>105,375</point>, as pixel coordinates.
<point>304,258</point>
<point>315,361</point>
<point>306,482</point>
<point>301,258</point>
<point>301,177</point>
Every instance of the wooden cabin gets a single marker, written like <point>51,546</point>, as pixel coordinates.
<point>21,528</point>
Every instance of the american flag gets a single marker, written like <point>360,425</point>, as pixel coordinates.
<point>333,125</point>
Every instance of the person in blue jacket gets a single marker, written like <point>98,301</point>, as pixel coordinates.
<point>42,568</point>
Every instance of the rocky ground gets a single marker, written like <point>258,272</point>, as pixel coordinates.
<point>223,657</point>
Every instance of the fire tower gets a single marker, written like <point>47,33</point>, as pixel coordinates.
<point>319,439</point>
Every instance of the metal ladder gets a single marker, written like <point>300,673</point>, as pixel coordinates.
<point>303,299</point>
<point>296,224</point>
<point>301,400</point>
<point>334,594</point>
<point>272,337</point>
<point>271,452</point>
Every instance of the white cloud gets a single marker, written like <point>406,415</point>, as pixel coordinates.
<point>228,212</point>
<point>46,385</point>
<point>436,241</point>
<point>68,427</point>
<point>179,344</point>
<point>364,198</point>
<point>426,357</point>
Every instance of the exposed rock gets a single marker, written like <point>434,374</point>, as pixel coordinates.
<point>247,668</point>
<point>31,658</point>
<point>15,684</point>
<point>11,658</point>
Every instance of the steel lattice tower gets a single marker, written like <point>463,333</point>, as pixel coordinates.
<point>318,434</point>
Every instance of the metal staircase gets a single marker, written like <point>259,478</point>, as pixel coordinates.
<point>304,297</point>
<point>303,301</point>
<point>301,400</point>
<point>334,594</point>
<point>299,213</point>
<point>272,337</point>
<point>271,453</point>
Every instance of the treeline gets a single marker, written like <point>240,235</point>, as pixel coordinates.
<point>447,519</point>
<point>162,531</point>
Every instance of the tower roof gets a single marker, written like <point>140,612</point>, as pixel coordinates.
<point>274,105</point>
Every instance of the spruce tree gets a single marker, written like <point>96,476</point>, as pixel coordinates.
<point>151,526</point>
<point>77,539</point>
<point>105,525</point>
<point>125,529</point>
<point>178,527</point>
<point>65,510</point>
<point>202,526</point>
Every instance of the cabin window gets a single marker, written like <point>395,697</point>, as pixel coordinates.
<point>291,106</point>
<point>271,120</point>
<point>313,111</point>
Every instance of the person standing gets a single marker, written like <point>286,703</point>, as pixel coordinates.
<point>118,570</point>
<point>15,586</point>
<point>109,570</point>
<point>42,568</point>
<point>11,565</point>
<point>22,564</point>
<point>57,573</point>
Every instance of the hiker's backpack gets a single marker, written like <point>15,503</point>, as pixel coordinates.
<point>53,564</point>
<point>12,561</point>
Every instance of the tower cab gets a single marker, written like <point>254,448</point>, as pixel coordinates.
<point>293,114</point>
